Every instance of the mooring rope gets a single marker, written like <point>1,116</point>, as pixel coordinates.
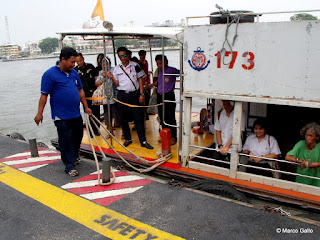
<point>94,120</point>
<point>130,105</point>
<point>90,131</point>
<point>234,19</point>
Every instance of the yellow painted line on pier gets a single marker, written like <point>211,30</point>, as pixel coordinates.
<point>98,218</point>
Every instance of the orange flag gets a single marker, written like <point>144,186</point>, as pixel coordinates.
<point>98,10</point>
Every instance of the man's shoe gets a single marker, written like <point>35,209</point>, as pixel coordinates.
<point>127,143</point>
<point>173,141</point>
<point>146,145</point>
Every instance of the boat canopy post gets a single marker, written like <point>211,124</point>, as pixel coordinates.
<point>236,139</point>
<point>61,41</point>
<point>114,52</point>
<point>151,60</point>
<point>181,101</point>
<point>187,102</point>
<point>106,88</point>
<point>163,77</point>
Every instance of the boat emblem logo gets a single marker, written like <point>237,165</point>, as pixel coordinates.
<point>199,60</point>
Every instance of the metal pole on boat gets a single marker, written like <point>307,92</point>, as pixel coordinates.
<point>181,101</point>
<point>106,169</point>
<point>151,60</point>
<point>33,147</point>
<point>163,77</point>
<point>114,52</point>
<point>106,87</point>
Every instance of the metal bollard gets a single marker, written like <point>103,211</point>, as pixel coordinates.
<point>106,169</point>
<point>33,147</point>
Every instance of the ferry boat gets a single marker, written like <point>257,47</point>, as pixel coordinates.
<point>269,71</point>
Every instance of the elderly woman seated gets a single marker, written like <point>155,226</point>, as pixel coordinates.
<point>259,145</point>
<point>307,154</point>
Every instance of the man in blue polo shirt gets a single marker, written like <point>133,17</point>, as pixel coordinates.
<point>64,86</point>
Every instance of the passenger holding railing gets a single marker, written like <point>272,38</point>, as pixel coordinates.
<point>258,145</point>
<point>169,118</point>
<point>224,130</point>
<point>307,154</point>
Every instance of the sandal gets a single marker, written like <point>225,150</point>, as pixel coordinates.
<point>78,161</point>
<point>73,173</point>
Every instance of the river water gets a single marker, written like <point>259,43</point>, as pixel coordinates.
<point>20,91</point>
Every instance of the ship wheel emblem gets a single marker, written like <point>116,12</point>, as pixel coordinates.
<point>199,60</point>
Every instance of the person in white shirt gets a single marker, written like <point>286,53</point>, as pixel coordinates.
<point>258,145</point>
<point>129,78</point>
<point>223,126</point>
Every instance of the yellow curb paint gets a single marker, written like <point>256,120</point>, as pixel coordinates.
<point>98,218</point>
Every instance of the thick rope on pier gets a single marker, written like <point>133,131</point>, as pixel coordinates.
<point>96,122</point>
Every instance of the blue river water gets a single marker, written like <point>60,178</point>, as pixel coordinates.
<point>20,91</point>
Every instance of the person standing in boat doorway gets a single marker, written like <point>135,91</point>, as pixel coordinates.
<point>223,126</point>
<point>169,118</point>
<point>128,78</point>
<point>145,67</point>
<point>88,76</point>
<point>64,86</point>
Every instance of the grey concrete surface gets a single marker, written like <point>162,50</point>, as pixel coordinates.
<point>180,212</point>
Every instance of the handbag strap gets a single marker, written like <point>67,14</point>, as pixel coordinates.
<point>129,78</point>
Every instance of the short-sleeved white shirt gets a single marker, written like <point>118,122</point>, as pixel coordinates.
<point>268,145</point>
<point>225,125</point>
<point>125,83</point>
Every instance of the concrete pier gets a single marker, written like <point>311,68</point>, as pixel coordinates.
<point>39,200</point>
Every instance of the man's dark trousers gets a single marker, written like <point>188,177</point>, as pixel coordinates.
<point>70,133</point>
<point>137,114</point>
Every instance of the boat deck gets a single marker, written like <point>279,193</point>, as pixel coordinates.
<point>153,136</point>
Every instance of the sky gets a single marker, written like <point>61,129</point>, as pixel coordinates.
<point>37,19</point>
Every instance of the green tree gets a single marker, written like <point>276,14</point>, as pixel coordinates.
<point>49,45</point>
<point>122,43</point>
<point>303,17</point>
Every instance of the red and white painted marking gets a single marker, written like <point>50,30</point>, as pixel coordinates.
<point>124,184</point>
<point>25,163</point>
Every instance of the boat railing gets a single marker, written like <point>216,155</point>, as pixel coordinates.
<point>250,166</point>
<point>257,14</point>
<point>180,88</point>
<point>274,170</point>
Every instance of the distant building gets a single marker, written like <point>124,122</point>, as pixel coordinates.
<point>33,48</point>
<point>169,23</point>
<point>9,50</point>
<point>83,45</point>
<point>130,24</point>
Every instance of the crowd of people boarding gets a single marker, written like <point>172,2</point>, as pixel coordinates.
<point>73,80</point>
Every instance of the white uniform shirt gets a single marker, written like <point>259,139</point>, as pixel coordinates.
<point>268,145</point>
<point>125,83</point>
<point>225,125</point>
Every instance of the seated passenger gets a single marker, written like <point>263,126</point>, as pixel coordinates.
<point>224,129</point>
<point>307,154</point>
<point>262,145</point>
<point>203,123</point>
